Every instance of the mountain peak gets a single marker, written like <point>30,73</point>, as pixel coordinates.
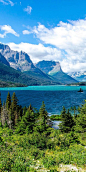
<point>54,69</point>
<point>18,60</point>
<point>49,67</point>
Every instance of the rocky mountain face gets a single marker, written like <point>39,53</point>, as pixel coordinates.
<point>54,69</point>
<point>3,60</point>
<point>18,60</point>
<point>49,67</point>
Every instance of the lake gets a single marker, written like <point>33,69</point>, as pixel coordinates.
<point>54,97</point>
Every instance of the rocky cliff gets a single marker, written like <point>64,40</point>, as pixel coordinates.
<point>18,60</point>
<point>3,60</point>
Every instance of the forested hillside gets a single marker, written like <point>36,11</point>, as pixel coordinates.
<point>8,74</point>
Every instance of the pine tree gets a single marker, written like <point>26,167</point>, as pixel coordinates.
<point>8,101</point>
<point>14,109</point>
<point>30,108</point>
<point>43,112</point>
<point>0,103</point>
<point>81,119</point>
<point>14,102</point>
<point>67,121</point>
<point>24,111</point>
<point>74,110</point>
<point>43,116</point>
<point>27,123</point>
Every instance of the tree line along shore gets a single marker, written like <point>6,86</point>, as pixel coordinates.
<point>29,143</point>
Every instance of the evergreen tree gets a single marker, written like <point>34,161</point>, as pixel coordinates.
<point>8,101</point>
<point>81,119</point>
<point>67,121</point>
<point>42,111</point>
<point>14,102</point>
<point>20,112</point>
<point>0,103</point>
<point>30,108</point>
<point>27,123</point>
<point>74,110</point>
<point>24,111</point>
<point>14,109</point>
<point>43,117</point>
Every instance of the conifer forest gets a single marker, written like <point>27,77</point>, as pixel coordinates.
<point>29,143</point>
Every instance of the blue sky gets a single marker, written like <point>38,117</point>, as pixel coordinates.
<point>49,30</point>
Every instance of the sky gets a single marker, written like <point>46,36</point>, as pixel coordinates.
<point>46,30</point>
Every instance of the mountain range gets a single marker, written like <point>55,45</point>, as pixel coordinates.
<point>80,76</point>
<point>17,67</point>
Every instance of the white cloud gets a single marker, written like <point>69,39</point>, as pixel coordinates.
<point>7,29</point>
<point>7,2</point>
<point>37,52</point>
<point>11,3</point>
<point>26,32</point>
<point>65,43</point>
<point>28,9</point>
<point>68,37</point>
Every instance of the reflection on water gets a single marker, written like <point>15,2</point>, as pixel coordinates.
<point>55,124</point>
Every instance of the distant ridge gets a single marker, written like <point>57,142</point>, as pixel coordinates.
<point>54,69</point>
<point>80,76</point>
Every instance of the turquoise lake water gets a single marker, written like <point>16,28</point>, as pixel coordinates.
<point>54,97</point>
<point>46,88</point>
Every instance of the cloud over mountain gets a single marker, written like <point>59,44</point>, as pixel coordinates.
<point>69,38</point>
<point>37,52</point>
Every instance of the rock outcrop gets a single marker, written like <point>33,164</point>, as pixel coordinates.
<point>18,60</point>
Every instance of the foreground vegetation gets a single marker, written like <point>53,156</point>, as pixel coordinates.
<point>29,143</point>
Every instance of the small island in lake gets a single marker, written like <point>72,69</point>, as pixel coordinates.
<point>81,90</point>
